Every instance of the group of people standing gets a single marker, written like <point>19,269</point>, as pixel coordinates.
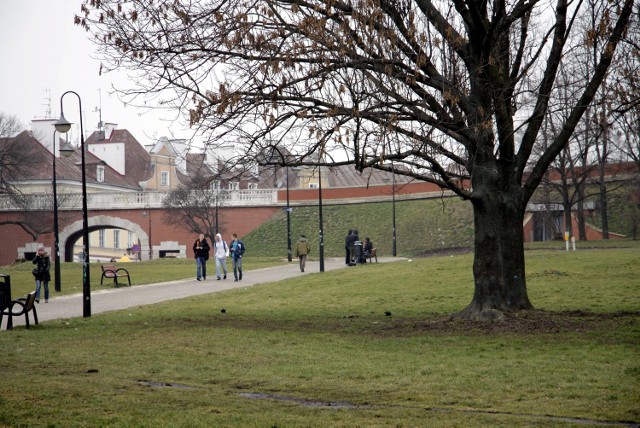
<point>352,256</point>
<point>221,250</point>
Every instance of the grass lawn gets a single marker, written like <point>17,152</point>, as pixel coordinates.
<point>365,346</point>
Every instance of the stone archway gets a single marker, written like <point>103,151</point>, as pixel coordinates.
<point>74,230</point>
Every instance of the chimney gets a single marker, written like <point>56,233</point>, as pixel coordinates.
<point>108,129</point>
<point>42,130</point>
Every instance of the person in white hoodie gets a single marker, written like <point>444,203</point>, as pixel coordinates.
<point>220,252</point>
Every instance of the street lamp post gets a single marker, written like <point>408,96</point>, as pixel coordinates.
<point>393,209</point>
<point>217,204</point>
<point>321,253</point>
<point>57,283</point>
<point>289,255</point>
<point>63,126</point>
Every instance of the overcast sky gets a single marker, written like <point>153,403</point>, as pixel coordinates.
<point>44,54</point>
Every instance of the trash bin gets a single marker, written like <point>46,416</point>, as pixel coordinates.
<point>5,299</point>
<point>358,251</point>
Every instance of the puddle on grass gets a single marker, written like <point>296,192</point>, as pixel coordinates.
<point>546,418</point>
<point>302,401</point>
<point>153,384</point>
<point>347,405</point>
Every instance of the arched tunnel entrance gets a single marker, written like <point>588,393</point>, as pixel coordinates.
<point>73,233</point>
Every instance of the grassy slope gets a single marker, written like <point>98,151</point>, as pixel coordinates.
<point>422,226</point>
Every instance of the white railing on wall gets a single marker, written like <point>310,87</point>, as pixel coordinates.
<point>132,200</point>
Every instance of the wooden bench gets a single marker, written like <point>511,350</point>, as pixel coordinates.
<point>110,271</point>
<point>372,255</point>
<point>25,305</point>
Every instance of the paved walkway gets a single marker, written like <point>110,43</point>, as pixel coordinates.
<point>70,306</point>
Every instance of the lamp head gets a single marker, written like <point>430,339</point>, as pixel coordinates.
<point>62,125</point>
<point>66,150</point>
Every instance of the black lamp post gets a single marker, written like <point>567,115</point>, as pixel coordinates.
<point>63,126</point>
<point>217,204</point>
<point>289,255</point>
<point>393,209</point>
<point>57,281</point>
<point>321,253</point>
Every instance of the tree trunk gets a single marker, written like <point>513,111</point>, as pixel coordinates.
<point>604,214</point>
<point>582,223</point>
<point>499,266</point>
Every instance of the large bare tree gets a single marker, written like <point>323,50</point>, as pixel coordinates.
<point>454,90</point>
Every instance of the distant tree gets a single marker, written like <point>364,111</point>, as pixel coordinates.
<point>10,126</point>
<point>456,91</point>
<point>569,172</point>
<point>628,138</point>
<point>625,83</point>
<point>196,207</point>
<point>615,123</point>
<point>11,154</point>
<point>17,156</point>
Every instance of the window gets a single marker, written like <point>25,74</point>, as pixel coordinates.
<point>164,178</point>
<point>253,186</point>
<point>313,185</point>
<point>116,239</point>
<point>215,185</point>
<point>130,239</point>
<point>234,185</point>
<point>101,238</point>
<point>100,174</point>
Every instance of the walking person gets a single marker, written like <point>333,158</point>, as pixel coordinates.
<point>237,249</point>
<point>220,252</point>
<point>302,250</point>
<point>41,273</point>
<point>201,251</point>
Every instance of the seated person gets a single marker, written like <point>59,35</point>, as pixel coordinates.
<point>368,247</point>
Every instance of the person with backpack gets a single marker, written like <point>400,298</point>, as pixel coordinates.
<point>220,252</point>
<point>302,250</point>
<point>237,249</point>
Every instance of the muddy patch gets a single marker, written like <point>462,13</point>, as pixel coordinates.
<point>154,384</point>
<point>302,401</point>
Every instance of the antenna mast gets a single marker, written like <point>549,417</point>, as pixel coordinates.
<point>47,103</point>
<point>99,110</point>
